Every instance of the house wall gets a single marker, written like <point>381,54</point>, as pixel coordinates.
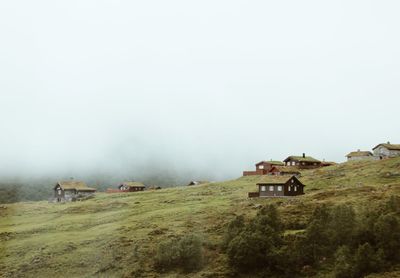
<point>253,173</point>
<point>70,195</point>
<point>290,188</point>
<point>135,189</point>
<point>384,152</point>
<point>265,167</point>
<point>274,192</point>
<point>303,165</point>
<point>357,158</point>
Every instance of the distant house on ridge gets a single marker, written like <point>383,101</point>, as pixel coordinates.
<point>387,150</point>
<point>131,186</point>
<point>302,162</point>
<point>359,155</point>
<point>263,168</point>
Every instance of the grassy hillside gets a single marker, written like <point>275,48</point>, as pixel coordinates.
<point>117,235</point>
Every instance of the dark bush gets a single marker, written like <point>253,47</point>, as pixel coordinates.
<point>343,263</point>
<point>185,253</point>
<point>255,245</point>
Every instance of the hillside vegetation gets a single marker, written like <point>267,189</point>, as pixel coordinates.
<point>118,235</point>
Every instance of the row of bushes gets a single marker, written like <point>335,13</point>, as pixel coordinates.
<point>336,237</point>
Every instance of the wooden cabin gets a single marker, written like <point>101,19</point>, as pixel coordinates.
<point>131,186</point>
<point>263,168</point>
<point>302,162</point>
<point>279,186</point>
<point>387,150</point>
<point>69,191</point>
<point>359,155</point>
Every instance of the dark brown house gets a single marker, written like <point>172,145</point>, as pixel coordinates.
<point>263,168</point>
<point>69,191</point>
<point>279,186</point>
<point>131,186</point>
<point>302,162</point>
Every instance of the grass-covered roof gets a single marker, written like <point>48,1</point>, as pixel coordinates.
<point>301,159</point>
<point>275,179</point>
<point>359,153</point>
<point>77,185</point>
<point>392,147</point>
<point>272,162</point>
<point>133,184</point>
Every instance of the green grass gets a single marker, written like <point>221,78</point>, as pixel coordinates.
<point>116,235</point>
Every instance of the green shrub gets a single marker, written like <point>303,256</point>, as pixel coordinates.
<point>234,228</point>
<point>255,245</point>
<point>343,263</point>
<point>366,260</point>
<point>387,235</point>
<point>185,252</point>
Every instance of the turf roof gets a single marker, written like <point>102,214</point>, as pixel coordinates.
<point>77,185</point>
<point>275,179</point>
<point>392,147</point>
<point>272,162</point>
<point>302,159</point>
<point>133,184</point>
<point>359,153</point>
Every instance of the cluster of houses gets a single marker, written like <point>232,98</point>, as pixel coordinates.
<point>283,178</point>
<point>70,191</point>
<point>279,178</point>
<point>381,151</point>
<point>289,166</point>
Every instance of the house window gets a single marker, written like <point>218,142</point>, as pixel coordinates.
<point>261,167</point>
<point>292,181</point>
<point>263,188</point>
<point>293,163</point>
<point>295,188</point>
<point>59,191</point>
<point>271,188</point>
<point>289,188</point>
<point>279,188</point>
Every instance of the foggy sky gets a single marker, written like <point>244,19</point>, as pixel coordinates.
<point>207,88</point>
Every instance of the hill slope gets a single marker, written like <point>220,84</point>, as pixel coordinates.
<point>117,235</point>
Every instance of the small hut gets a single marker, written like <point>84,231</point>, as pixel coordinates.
<point>359,155</point>
<point>69,191</point>
<point>131,186</point>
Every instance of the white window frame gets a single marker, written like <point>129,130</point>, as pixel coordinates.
<point>295,188</point>
<point>263,188</point>
<point>279,187</point>
<point>261,167</point>
<point>271,188</point>
<point>289,187</point>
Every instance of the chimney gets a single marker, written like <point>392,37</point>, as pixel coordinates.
<point>304,155</point>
